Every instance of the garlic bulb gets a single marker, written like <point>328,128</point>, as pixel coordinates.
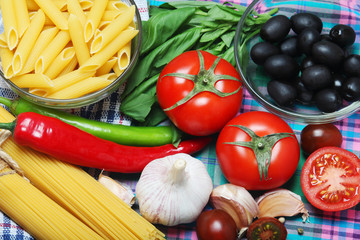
<point>121,190</point>
<point>173,190</point>
<point>281,202</point>
<point>237,202</point>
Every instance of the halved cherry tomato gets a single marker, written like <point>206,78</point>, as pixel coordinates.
<point>330,179</point>
<point>199,92</point>
<point>258,151</point>
<point>266,228</point>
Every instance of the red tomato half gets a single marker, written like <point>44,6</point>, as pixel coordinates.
<point>199,92</point>
<point>273,140</point>
<point>330,179</point>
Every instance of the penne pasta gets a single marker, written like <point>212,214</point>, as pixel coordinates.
<point>63,81</point>
<point>86,4</point>
<point>93,18</point>
<point>61,4</point>
<point>52,11</point>
<point>111,15</point>
<point>3,42</point>
<point>107,67</point>
<point>9,21</point>
<point>75,8</point>
<point>28,41</point>
<point>45,37</point>
<point>22,16</point>
<point>51,51</point>
<point>37,80</point>
<point>32,5</point>
<point>78,40</point>
<point>49,22</point>
<point>112,30</point>
<point>123,58</point>
<point>84,87</point>
<point>100,58</point>
<point>7,56</point>
<point>70,67</point>
<point>60,62</point>
<point>116,5</point>
<point>117,70</point>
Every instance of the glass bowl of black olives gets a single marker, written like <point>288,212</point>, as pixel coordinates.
<point>301,59</point>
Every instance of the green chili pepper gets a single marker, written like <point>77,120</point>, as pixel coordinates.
<point>122,134</point>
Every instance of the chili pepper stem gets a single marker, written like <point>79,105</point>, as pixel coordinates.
<point>8,126</point>
<point>6,102</point>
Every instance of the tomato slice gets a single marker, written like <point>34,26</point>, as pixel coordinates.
<point>265,228</point>
<point>330,179</point>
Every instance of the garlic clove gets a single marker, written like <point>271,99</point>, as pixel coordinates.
<point>237,202</point>
<point>173,190</point>
<point>122,191</point>
<point>281,203</point>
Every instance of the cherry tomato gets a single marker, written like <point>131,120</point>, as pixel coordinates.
<point>216,224</point>
<point>267,228</point>
<point>330,179</point>
<point>315,136</point>
<point>199,92</point>
<point>258,151</point>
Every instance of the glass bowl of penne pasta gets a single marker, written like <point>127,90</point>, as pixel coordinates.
<point>68,54</point>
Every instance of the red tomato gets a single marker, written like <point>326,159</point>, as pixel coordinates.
<point>266,228</point>
<point>330,179</point>
<point>199,92</point>
<point>216,224</point>
<point>258,151</point>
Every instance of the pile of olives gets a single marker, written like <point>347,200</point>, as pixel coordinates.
<point>306,65</point>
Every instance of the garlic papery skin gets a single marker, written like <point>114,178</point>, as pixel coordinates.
<point>173,190</point>
<point>121,190</point>
<point>281,203</point>
<point>236,201</point>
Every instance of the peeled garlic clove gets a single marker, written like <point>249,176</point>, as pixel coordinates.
<point>237,202</point>
<point>173,190</point>
<point>122,191</point>
<point>281,203</point>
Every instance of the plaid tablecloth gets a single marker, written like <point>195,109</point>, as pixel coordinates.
<point>322,225</point>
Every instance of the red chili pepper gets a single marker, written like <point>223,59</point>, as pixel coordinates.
<point>67,143</point>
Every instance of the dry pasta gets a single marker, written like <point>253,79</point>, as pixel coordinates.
<point>86,4</point>
<point>112,30</point>
<point>123,58</point>
<point>3,42</point>
<point>107,67</point>
<point>22,16</point>
<point>28,41</point>
<point>51,51</point>
<point>79,193</point>
<point>53,12</point>
<point>78,40</point>
<point>84,87</point>
<point>32,5</point>
<point>70,67</point>
<point>94,18</point>
<point>10,23</point>
<point>32,80</point>
<point>7,56</point>
<point>100,58</point>
<point>45,37</point>
<point>75,8</point>
<point>60,62</point>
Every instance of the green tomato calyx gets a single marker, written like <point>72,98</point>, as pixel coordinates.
<point>262,147</point>
<point>205,80</point>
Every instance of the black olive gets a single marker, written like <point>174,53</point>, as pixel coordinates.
<point>262,50</point>
<point>338,81</point>
<point>306,40</point>
<point>281,67</point>
<point>300,21</point>
<point>304,95</point>
<point>275,29</point>
<point>351,89</point>
<point>325,37</point>
<point>328,53</point>
<point>290,47</point>
<point>328,100</point>
<point>316,77</point>
<point>343,35</point>
<point>351,65</point>
<point>307,62</point>
<point>282,93</point>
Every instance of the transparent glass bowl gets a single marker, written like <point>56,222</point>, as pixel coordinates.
<point>253,75</point>
<point>95,96</point>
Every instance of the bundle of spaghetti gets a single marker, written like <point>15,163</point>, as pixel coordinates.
<point>35,211</point>
<point>79,193</point>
